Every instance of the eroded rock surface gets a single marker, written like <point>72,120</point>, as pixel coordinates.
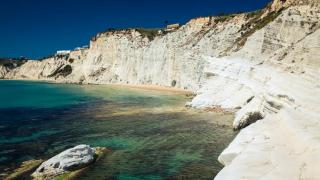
<point>67,161</point>
<point>3,71</point>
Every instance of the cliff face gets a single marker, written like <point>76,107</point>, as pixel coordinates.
<point>3,71</point>
<point>274,80</point>
<point>263,64</point>
<point>130,57</point>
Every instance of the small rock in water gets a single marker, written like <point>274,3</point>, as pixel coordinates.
<point>67,161</point>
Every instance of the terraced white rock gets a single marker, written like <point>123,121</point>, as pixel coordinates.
<point>289,104</point>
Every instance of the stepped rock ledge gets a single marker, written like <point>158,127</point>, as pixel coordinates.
<point>264,64</point>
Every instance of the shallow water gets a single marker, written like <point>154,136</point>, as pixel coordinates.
<point>151,134</point>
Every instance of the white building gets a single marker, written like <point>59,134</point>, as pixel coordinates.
<point>63,52</point>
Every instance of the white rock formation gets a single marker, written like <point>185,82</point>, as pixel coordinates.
<point>69,160</point>
<point>288,103</point>
<point>128,56</point>
<point>3,71</point>
<point>250,113</point>
<point>265,65</point>
<point>276,74</point>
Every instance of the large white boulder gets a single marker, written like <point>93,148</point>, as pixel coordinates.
<point>69,160</point>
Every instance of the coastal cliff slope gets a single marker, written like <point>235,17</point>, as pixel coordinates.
<point>3,71</point>
<point>263,64</point>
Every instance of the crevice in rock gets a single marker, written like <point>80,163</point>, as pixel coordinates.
<point>274,105</point>
<point>251,118</point>
<point>250,99</point>
<point>62,71</point>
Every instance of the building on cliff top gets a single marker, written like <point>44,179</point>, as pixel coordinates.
<point>63,52</point>
<point>173,26</point>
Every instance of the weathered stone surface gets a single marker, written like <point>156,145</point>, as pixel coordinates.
<point>67,161</point>
<point>250,113</point>
<point>3,71</point>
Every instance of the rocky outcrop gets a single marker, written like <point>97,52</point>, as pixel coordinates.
<point>285,106</point>
<point>3,71</point>
<point>263,64</point>
<point>67,161</point>
<point>250,113</point>
<point>273,80</point>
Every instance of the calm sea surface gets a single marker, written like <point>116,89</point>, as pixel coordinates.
<point>151,134</point>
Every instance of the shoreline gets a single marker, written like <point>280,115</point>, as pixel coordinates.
<point>134,86</point>
<point>213,121</point>
<point>153,87</point>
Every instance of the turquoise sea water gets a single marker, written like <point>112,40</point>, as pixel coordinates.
<point>151,134</point>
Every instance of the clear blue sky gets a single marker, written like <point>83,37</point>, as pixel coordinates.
<point>36,28</point>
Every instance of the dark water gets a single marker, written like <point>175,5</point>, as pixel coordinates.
<point>150,133</point>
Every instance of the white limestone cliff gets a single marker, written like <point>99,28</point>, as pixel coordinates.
<point>265,65</point>
<point>128,57</point>
<point>3,71</point>
<point>274,78</point>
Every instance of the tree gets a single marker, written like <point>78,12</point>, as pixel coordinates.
<point>173,83</point>
<point>221,14</point>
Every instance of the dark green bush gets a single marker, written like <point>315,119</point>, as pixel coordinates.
<point>47,57</point>
<point>149,33</point>
<point>256,23</point>
<point>11,63</point>
<point>223,17</point>
<point>71,60</point>
<point>173,83</point>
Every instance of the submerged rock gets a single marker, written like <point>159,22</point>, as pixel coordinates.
<point>67,161</point>
<point>24,170</point>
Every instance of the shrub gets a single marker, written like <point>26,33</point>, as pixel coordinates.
<point>254,14</point>
<point>12,63</point>
<point>111,29</point>
<point>223,17</point>
<point>221,14</point>
<point>149,33</point>
<point>47,57</point>
<point>173,83</point>
<point>256,23</point>
<point>62,71</point>
<point>71,60</point>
